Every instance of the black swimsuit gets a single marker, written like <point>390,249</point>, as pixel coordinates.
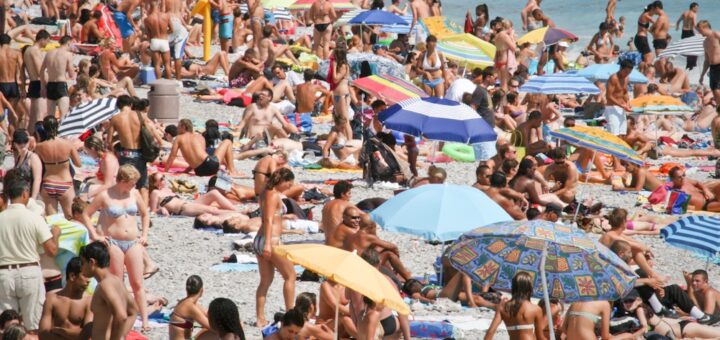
<point>321,27</point>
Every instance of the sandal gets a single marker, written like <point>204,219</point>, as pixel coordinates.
<point>149,274</point>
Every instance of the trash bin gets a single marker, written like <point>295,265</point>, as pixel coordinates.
<point>164,101</point>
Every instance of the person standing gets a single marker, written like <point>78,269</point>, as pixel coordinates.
<point>712,57</point>
<point>127,124</point>
<point>617,100</point>
<point>659,32</point>
<point>22,233</point>
<point>59,66</point>
<point>688,19</point>
<point>11,70</point>
<point>641,40</point>
<point>157,26</point>
<point>33,60</point>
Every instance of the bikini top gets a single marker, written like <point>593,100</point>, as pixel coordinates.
<point>644,25</point>
<point>520,327</point>
<point>590,316</point>
<point>116,211</point>
<point>431,67</point>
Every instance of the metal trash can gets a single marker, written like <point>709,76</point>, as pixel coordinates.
<point>164,101</point>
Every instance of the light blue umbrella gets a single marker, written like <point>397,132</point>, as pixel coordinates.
<point>377,17</point>
<point>602,72</point>
<point>559,83</point>
<point>699,234</point>
<point>438,212</point>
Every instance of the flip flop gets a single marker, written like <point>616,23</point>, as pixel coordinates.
<point>151,273</point>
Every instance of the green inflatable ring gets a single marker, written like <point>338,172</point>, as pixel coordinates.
<point>459,152</point>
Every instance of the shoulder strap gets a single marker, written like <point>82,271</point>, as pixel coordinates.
<point>142,121</point>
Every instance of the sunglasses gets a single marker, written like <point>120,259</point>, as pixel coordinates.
<point>355,217</point>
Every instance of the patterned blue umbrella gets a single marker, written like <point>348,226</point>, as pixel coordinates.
<point>559,83</point>
<point>438,119</point>
<point>377,17</point>
<point>378,65</point>
<point>700,234</point>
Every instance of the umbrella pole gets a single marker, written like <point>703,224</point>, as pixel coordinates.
<point>546,296</point>
<point>337,312</point>
<point>707,263</point>
<point>592,160</point>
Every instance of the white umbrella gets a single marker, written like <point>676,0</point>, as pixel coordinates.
<point>692,46</point>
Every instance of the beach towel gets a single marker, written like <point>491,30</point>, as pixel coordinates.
<point>303,121</point>
<point>431,329</point>
<point>73,236</point>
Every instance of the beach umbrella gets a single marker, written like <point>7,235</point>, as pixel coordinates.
<point>692,46</point>
<point>388,88</point>
<point>438,212</point>
<point>597,139</point>
<point>347,269</point>
<point>602,72</point>
<point>278,12</point>
<point>438,119</point>
<point>558,83</point>
<point>440,27</point>
<point>659,105</point>
<point>697,233</point>
<point>377,17</point>
<point>547,35</point>
<point>274,3</point>
<point>337,4</point>
<point>379,65</point>
<point>86,116</point>
<point>388,28</point>
<point>468,50</point>
<point>563,261</point>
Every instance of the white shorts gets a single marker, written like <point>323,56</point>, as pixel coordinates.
<point>177,48</point>
<point>159,45</point>
<point>616,120</point>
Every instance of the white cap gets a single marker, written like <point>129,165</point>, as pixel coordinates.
<point>563,43</point>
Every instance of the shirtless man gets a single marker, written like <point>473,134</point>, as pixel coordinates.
<point>66,313</point>
<point>636,139</point>
<point>192,146</point>
<point>564,173</point>
<point>322,15</point>
<point>11,71</point>
<point>531,132</point>
<point>497,182</point>
<point>524,182</point>
<point>269,52</point>
<point>617,100</point>
<point>307,93</point>
<point>712,57</point>
<point>601,45</point>
<point>367,237</point>
<point>113,69</point>
<point>701,292</point>
<point>126,24</point>
<point>675,79</point>
<point>113,308</point>
<point>420,10</point>
<point>527,11</point>
<point>540,17</point>
<point>59,66</point>
<point>618,224</point>
<point>33,59</point>
<point>333,210</point>
<point>260,116</point>
<point>157,26</point>
<point>90,32</point>
<point>640,179</point>
<point>350,224</point>
<point>127,125</point>
<point>225,29</point>
<point>701,197</point>
<point>659,30</point>
<point>482,182</point>
<point>688,19</point>
<point>245,70</point>
<point>179,35</point>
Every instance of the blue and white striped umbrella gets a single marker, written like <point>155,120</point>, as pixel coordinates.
<point>438,119</point>
<point>86,116</point>
<point>559,83</point>
<point>277,13</point>
<point>698,233</point>
<point>692,46</point>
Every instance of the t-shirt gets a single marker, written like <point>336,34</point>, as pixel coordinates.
<point>481,100</point>
<point>22,233</point>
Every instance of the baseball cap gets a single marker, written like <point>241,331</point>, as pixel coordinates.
<point>378,46</point>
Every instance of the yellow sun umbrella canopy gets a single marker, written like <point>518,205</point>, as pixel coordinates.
<point>347,269</point>
<point>653,104</point>
<point>548,35</point>
<point>467,50</point>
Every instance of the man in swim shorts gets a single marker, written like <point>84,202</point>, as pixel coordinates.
<point>32,61</point>
<point>192,147</point>
<point>157,26</point>
<point>712,57</point>
<point>223,16</point>
<point>59,66</point>
<point>10,71</point>
<point>125,23</point>
<point>617,100</point>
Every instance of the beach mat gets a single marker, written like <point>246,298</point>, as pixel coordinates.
<point>432,330</point>
<point>242,267</point>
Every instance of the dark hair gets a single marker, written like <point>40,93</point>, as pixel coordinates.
<point>604,26</point>
<point>15,332</point>
<point>532,213</point>
<point>511,96</point>
<point>9,315</point>
<point>293,317</point>
<point>487,72</point>
<point>5,39</point>
<point>430,38</point>
<point>193,285</point>
<point>123,101</point>
<point>97,14</point>
<point>140,104</point>
<point>498,179</point>
<point>626,63</point>
<point>42,34</point>
<point>308,75</point>
<point>74,266</point>
<point>657,4</point>
<point>224,317</point>
<point>227,136</point>
<point>521,289</point>
<point>97,251</point>
<point>693,5</point>
<point>535,114</point>
<point>84,16</point>
<point>267,31</point>
<point>279,176</point>
<point>211,133</point>
<point>15,183</point>
<point>525,165</point>
<point>304,301</point>
<point>674,171</point>
<point>171,129</point>
<point>701,272</point>
<point>509,164</point>
<point>20,136</point>
<point>377,104</point>
<point>341,188</point>
<point>50,125</point>
<point>371,256</point>
<point>480,168</point>
<point>617,217</point>
<point>65,39</point>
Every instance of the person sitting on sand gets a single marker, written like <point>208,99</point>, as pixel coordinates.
<point>522,318</point>
<point>350,224</point>
<point>564,173</point>
<point>332,212</point>
<point>306,304</point>
<point>366,237</point>
<point>701,292</point>
<point>192,70</point>
<point>482,182</point>
<point>224,320</point>
<point>530,132</point>
<point>436,175</point>
<point>498,182</point>
<point>618,224</point>
<point>525,183</point>
<point>165,202</point>
<point>640,179</point>
<point>701,197</point>
<point>66,313</point>
<point>287,327</point>
<point>671,327</point>
<point>246,70</point>
<point>345,148</point>
<point>636,139</point>
<point>674,79</point>
<point>332,297</point>
<point>192,146</point>
<point>188,311</point>
<point>261,118</point>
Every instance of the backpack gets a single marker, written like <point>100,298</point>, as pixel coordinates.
<point>149,148</point>
<point>380,163</point>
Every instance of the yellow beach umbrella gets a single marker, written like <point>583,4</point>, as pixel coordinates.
<point>548,35</point>
<point>468,50</point>
<point>277,3</point>
<point>664,105</point>
<point>655,100</point>
<point>347,269</point>
<point>441,27</point>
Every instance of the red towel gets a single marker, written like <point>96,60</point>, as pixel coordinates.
<point>468,23</point>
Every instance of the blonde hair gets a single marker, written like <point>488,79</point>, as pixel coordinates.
<point>506,24</point>
<point>128,173</point>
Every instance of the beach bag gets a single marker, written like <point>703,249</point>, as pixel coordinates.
<point>677,202</point>
<point>149,148</point>
<point>380,163</point>
<point>658,195</point>
<point>303,121</point>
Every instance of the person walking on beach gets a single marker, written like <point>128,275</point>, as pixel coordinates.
<point>59,66</point>
<point>272,209</point>
<point>688,19</point>
<point>420,10</point>
<point>659,31</point>
<point>127,124</point>
<point>32,61</point>
<point>123,16</point>
<point>157,26</point>
<point>11,71</point>
<point>712,58</point>
<point>522,318</point>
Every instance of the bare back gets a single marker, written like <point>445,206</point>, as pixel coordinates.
<point>33,59</point>
<point>58,63</point>
<point>332,215</point>
<point>192,147</point>
<point>127,126</point>
<point>102,308</point>
<point>157,25</point>
<point>11,59</point>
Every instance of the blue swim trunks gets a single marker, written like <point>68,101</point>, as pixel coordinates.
<point>123,24</point>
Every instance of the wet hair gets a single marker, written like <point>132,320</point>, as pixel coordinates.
<point>498,179</point>
<point>371,256</point>
<point>211,133</point>
<point>224,317</point>
<point>186,124</point>
<point>78,206</point>
<point>521,289</point>
<point>14,332</point>
<point>171,129</point>
<point>9,315</point>
<point>15,183</point>
<point>20,136</point>
<point>94,143</point>
<point>74,266</point>
<point>50,125</point>
<point>341,187</point>
<point>279,176</point>
<point>123,101</point>
<point>42,34</point>
<point>97,251</point>
<point>304,302</point>
<point>127,173</point>
<point>193,284</point>
<point>509,164</point>
<point>535,114</point>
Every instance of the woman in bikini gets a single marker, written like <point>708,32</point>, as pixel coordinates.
<point>57,182</point>
<point>641,40</point>
<point>118,206</point>
<point>322,15</point>
<point>505,62</point>
<point>28,162</point>
<point>339,79</point>
<point>584,318</point>
<point>514,109</point>
<point>189,311</point>
<point>165,202</point>
<point>107,168</point>
<point>344,147</point>
<point>265,167</point>
<point>523,319</point>
<point>432,68</point>
<point>272,209</point>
